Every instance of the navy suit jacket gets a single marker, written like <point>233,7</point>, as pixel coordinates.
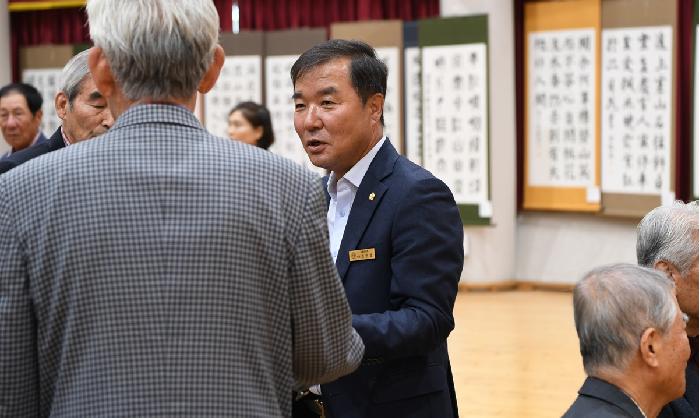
<point>687,406</point>
<point>599,399</point>
<point>401,300</point>
<point>40,148</point>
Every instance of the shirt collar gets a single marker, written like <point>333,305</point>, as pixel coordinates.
<point>65,138</point>
<point>358,171</point>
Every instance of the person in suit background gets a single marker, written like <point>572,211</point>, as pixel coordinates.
<point>250,122</point>
<point>83,112</point>
<point>160,270</point>
<point>633,342</point>
<point>667,240</point>
<point>395,234</point>
<point>20,116</point>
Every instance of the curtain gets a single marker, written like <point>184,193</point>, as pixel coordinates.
<point>290,14</point>
<point>69,26</point>
<point>58,26</point>
<point>684,99</point>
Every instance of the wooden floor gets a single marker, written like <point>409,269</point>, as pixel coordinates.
<point>515,354</point>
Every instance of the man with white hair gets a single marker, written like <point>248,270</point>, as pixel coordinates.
<point>80,106</point>
<point>178,274</point>
<point>633,343</point>
<point>667,240</point>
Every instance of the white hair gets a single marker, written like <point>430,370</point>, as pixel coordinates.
<point>73,75</point>
<point>669,233</point>
<point>156,49</point>
<point>613,306</point>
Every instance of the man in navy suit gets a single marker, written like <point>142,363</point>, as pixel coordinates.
<point>395,234</point>
<point>633,343</point>
<point>83,112</point>
<point>20,117</point>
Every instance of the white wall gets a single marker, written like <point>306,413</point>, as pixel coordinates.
<point>561,247</point>
<point>5,67</point>
<point>533,246</point>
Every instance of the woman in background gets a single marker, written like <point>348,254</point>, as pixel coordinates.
<point>250,122</point>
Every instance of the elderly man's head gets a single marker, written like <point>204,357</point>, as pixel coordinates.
<point>153,51</point>
<point>82,109</point>
<point>667,240</point>
<point>20,114</point>
<point>631,330</point>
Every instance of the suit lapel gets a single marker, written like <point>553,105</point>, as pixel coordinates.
<point>367,200</point>
<point>56,141</point>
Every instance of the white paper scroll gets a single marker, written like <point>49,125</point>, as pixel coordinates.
<point>240,80</point>
<point>48,81</point>
<point>390,57</point>
<point>561,110</point>
<point>637,83</point>
<point>696,139</point>
<point>278,92</point>
<point>455,143</point>
<point>412,110</point>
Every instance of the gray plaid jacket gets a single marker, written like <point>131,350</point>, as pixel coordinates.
<point>161,271</point>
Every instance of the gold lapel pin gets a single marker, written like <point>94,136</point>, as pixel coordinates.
<point>371,196</point>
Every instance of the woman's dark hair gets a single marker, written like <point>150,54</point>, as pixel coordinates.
<point>257,115</point>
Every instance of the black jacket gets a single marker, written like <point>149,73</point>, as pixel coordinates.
<point>20,157</point>
<point>599,399</point>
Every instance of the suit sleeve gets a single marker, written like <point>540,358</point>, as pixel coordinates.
<point>426,263</point>
<point>326,346</point>
<point>6,165</point>
<point>18,362</point>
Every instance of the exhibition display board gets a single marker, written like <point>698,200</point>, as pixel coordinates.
<point>562,76</point>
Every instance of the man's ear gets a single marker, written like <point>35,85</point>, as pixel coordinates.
<point>669,270</point>
<point>101,72</point>
<point>61,104</point>
<point>212,73</point>
<point>39,115</point>
<point>376,106</point>
<point>648,347</point>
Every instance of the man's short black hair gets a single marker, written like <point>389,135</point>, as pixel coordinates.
<point>30,93</point>
<point>367,72</point>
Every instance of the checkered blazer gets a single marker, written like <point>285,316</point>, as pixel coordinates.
<point>161,271</point>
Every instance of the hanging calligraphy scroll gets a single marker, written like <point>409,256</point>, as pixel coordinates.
<point>240,79</point>
<point>562,112</point>
<point>561,90</point>
<point>386,37</point>
<point>454,68</point>
<point>636,110</point>
<point>41,67</point>
<point>282,48</point>
<point>638,98</point>
<point>413,113</point>
<point>48,82</point>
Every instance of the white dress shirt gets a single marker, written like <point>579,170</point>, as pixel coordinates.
<point>342,192</point>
